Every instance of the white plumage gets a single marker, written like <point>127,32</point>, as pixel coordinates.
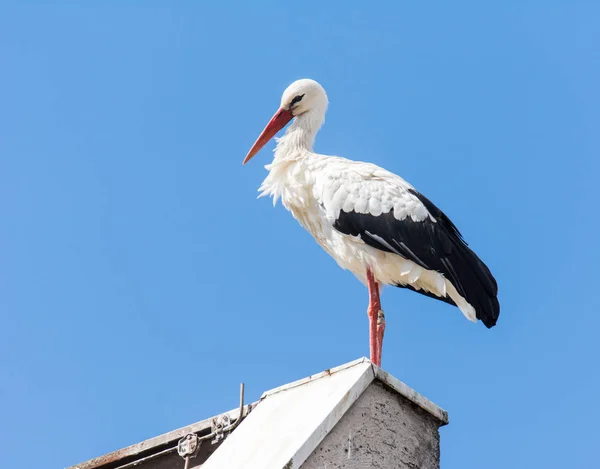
<point>315,188</point>
<point>369,220</point>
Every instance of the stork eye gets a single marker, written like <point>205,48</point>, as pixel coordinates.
<point>297,99</point>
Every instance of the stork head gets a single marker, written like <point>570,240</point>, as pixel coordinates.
<point>303,96</point>
<point>304,99</point>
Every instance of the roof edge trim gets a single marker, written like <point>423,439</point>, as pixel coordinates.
<point>410,394</point>
<point>310,378</point>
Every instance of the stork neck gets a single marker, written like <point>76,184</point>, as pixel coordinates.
<point>300,135</point>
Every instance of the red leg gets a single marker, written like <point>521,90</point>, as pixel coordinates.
<point>376,320</point>
<point>380,332</point>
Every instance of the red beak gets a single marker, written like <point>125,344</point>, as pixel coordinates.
<point>277,122</point>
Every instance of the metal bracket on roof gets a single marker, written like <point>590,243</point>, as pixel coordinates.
<point>219,424</point>
<point>222,423</point>
<point>189,445</point>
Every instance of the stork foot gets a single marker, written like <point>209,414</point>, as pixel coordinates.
<point>376,319</point>
<point>373,320</point>
<point>379,338</point>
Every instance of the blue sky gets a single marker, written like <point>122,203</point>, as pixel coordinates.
<point>141,281</point>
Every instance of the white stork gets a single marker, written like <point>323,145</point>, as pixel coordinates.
<point>369,220</point>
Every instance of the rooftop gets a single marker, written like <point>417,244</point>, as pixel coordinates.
<point>281,430</point>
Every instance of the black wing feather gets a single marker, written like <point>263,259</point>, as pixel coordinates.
<point>433,245</point>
